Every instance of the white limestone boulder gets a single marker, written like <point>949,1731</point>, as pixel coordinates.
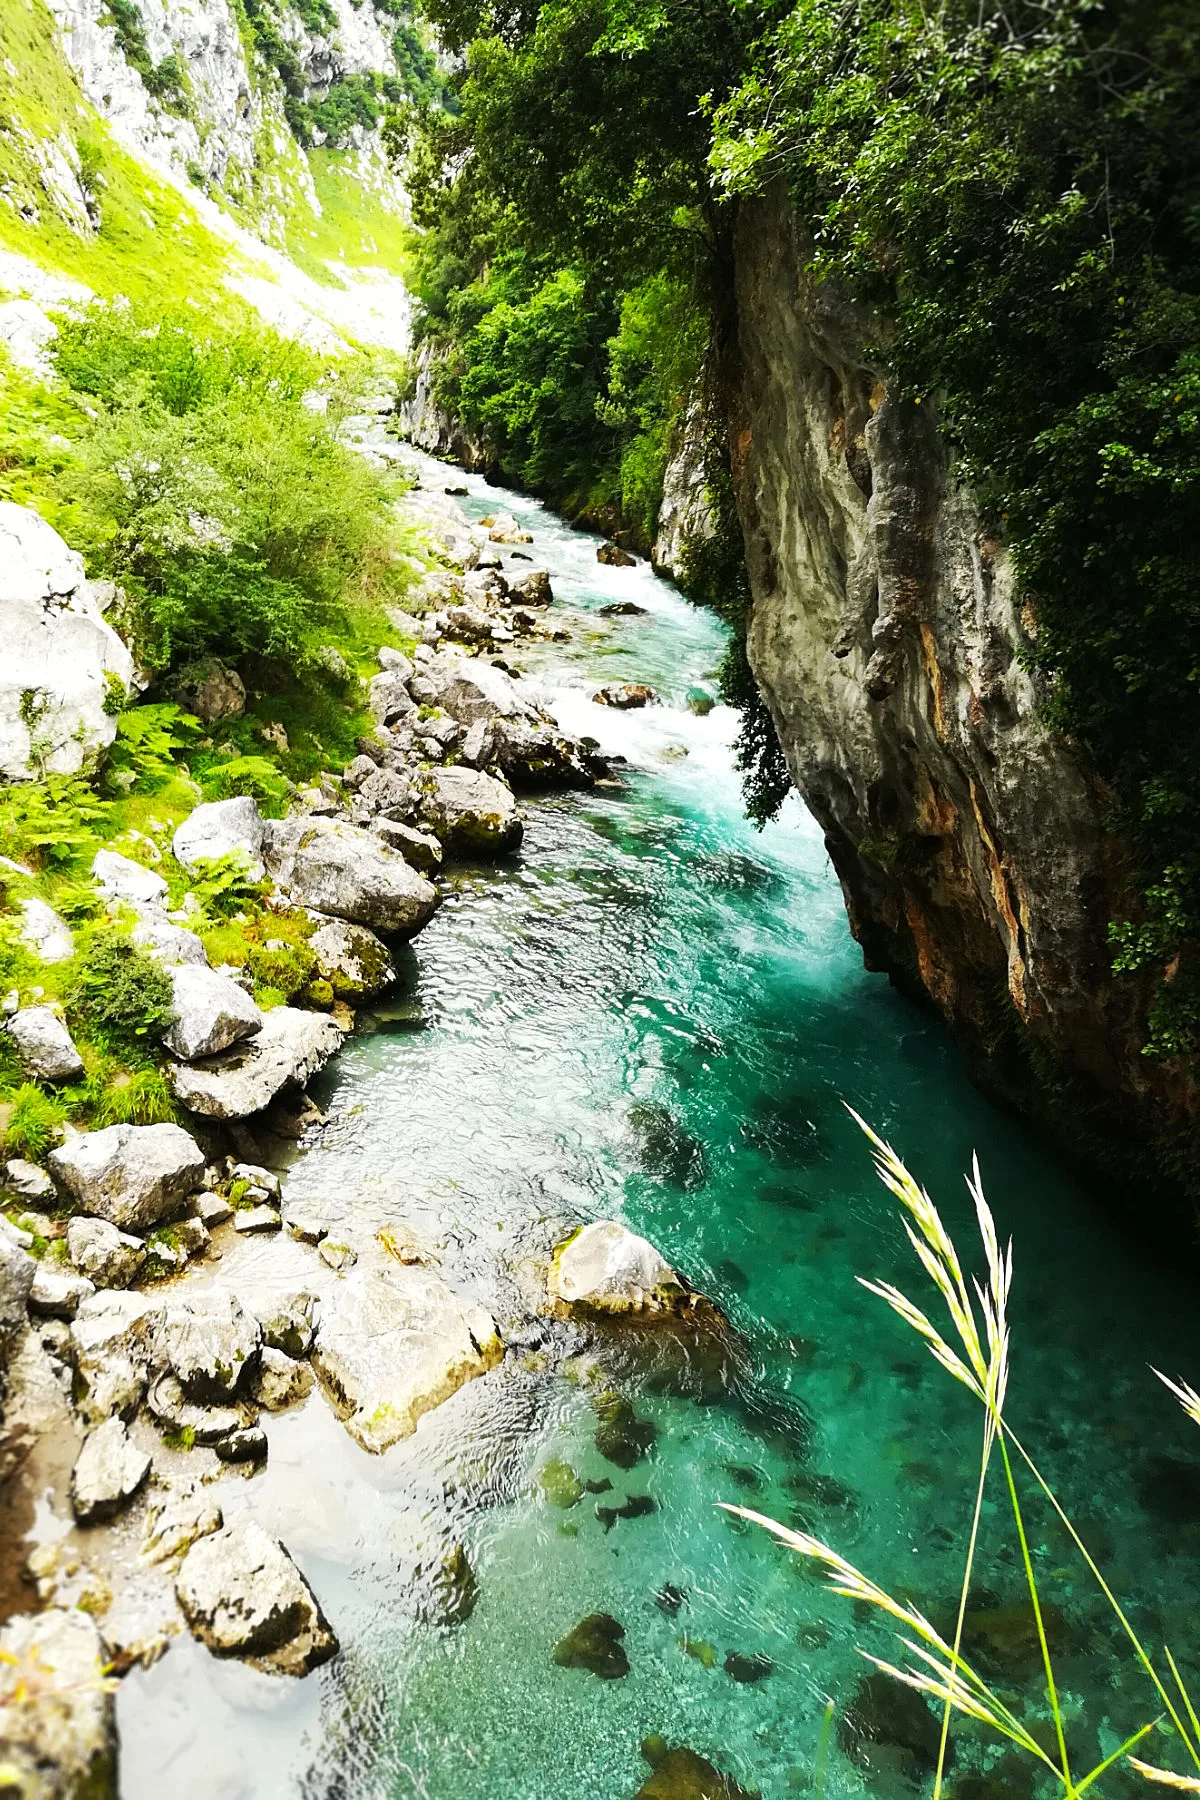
<point>210,1343</point>
<point>45,933</point>
<point>109,1258</point>
<point>242,1595</point>
<point>606,1268</point>
<point>120,878</point>
<point>63,665</point>
<point>131,1175</point>
<point>219,827</point>
<point>470,813</point>
<point>108,1472</point>
<point>211,1013</point>
<point>289,1050</point>
<point>112,1336</point>
<point>351,874</point>
<point>44,1045</point>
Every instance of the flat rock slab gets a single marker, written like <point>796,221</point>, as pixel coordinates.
<point>131,1175</point>
<point>606,1268</point>
<point>108,1472</point>
<point>393,1343</point>
<point>291,1047</point>
<point>242,1595</point>
<point>62,1739</point>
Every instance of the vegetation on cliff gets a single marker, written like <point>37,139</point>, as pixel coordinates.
<point>1013,191</point>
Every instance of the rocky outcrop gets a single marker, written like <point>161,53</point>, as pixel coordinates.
<point>243,1596</point>
<point>131,1175</point>
<point>685,519</point>
<point>63,665</point>
<point>289,1049</point>
<point>888,639</point>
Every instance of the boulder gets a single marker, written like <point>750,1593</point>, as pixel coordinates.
<point>58,1736</point>
<point>211,1013</point>
<point>606,1268</point>
<point>594,1644</point>
<point>210,1343</point>
<point>27,1181</point>
<point>247,1445</point>
<point>625,696</point>
<point>62,665</point>
<point>109,1258</point>
<point>132,1175</point>
<point>210,691</point>
<point>291,1047</point>
<point>108,1472</point>
<point>212,1209</point>
<point>281,1381</point>
<point>533,589</point>
<point>470,813</point>
<point>388,792</point>
<point>44,1045</point>
<point>351,959</point>
<point>17,1270</point>
<point>174,1412</point>
<point>290,1324</point>
<point>614,557</point>
<point>393,1343</point>
<point>535,756</point>
<point>256,1218</point>
<point>681,1774</point>
<point>395,662</point>
<point>25,331</point>
<point>470,690</point>
<point>167,942</point>
<point>57,1293</point>
<point>623,609</point>
<point>43,932</point>
<point>502,528</point>
<point>418,848</point>
<point>242,1595</point>
<point>175,1518</point>
<point>112,1336</point>
<point>120,878</point>
<point>219,827</point>
<point>343,870</point>
<point>389,698</point>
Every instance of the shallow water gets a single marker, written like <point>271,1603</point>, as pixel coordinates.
<point>656,1012</point>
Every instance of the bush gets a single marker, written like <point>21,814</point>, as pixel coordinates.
<point>120,997</point>
<point>252,776</point>
<point>33,1124</point>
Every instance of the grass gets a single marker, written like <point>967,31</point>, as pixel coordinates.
<point>974,1347</point>
<point>355,225</point>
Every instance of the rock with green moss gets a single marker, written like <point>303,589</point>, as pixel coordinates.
<point>351,959</point>
<point>470,813</point>
<point>594,1644</point>
<point>680,1774</point>
<point>607,1269</point>
<point>560,1484</point>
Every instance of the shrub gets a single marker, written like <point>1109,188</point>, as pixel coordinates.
<point>33,1124</point>
<point>250,775</point>
<point>120,996</point>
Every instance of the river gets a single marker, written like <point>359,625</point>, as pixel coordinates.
<point>656,1012</point>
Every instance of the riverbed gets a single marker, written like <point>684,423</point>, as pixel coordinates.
<point>655,1012</point>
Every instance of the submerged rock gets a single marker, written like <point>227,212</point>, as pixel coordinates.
<point>625,696</point>
<point>291,1047</point>
<point>560,1484</point>
<point>594,1644</point>
<point>606,1268</point>
<point>665,1147</point>
<point>44,1045</point>
<point>393,1343</point>
<point>886,1712</point>
<point>108,1472</point>
<point>58,1737</point>
<point>637,1506</point>
<point>211,1012</point>
<point>242,1595</point>
<point>621,1437</point>
<point>132,1175</point>
<point>748,1669</point>
<point>614,557</point>
<point>681,1774</point>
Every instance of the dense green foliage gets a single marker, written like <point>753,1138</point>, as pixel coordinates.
<point>350,100</point>
<point>121,996</point>
<point>1014,193</point>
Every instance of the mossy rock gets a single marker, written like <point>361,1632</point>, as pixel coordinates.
<point>594,1644</point>
<point>621,1437</point>
<point>560,1484</point>
<point>681,1774</point>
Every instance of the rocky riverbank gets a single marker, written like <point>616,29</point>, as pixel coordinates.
<point>160,1295</point>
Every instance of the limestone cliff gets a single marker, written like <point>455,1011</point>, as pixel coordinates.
<point>888,640</point>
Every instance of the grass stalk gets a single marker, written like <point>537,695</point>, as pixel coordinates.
<point>1035,1600</point>
<point>989,1438</point>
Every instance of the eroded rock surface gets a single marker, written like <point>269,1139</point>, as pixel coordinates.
<point>242,1595</point>
<point>348,872</point>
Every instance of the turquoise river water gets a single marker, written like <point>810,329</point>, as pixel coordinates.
<point>655,1012</point>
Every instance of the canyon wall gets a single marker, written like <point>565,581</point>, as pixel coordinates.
<point>887,638</point>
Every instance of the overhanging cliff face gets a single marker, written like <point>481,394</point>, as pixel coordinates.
<point>887,639</point>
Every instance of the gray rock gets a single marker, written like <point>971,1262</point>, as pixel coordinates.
<point>17,1270</point>
<point>43,932</point>
<point>210,1342</point>
<point>108,1472</point>
<point>167,942</point>
<point>389,698</point>
<point>191,1236</point>
<point>120,878</point>
<point>44,1045</point>
<point>606,1268</point>
<point>246,1446</point>
<point>472,814</point>
<point>615,557</point>
<point>56,1293</point>
<point>388,793</point>
<point>469,689</point>
<point>61,659</point>
<point>291,1047</point>
<point>347,872</point>
<point>358,771</point>
<point>305,1225</point>
<point>212,1209</point>
<point>175,1518</point>
<point>281,1381</point>
<point>418,848</point>
<point>477,744</point>
<point>393,1343</point>
<point>170,1406</point>
<point>339,1257</point>
<point>140,1623</point>
<point>351,959</point>
<point>210,691</point>
<point>258,1177</point>
<point>256,1218</point>
<point>59,1742</point>
<point>211,1013</point>
<point>533,589</point>
<point>131,1175</point>
<point>108,1257</point>
<point>242,1595</point>
<point>219,827</point>
<point>395,662</point>
<point>290,1324</point>
<point>112,1335</point>
<point>27,1181</point>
